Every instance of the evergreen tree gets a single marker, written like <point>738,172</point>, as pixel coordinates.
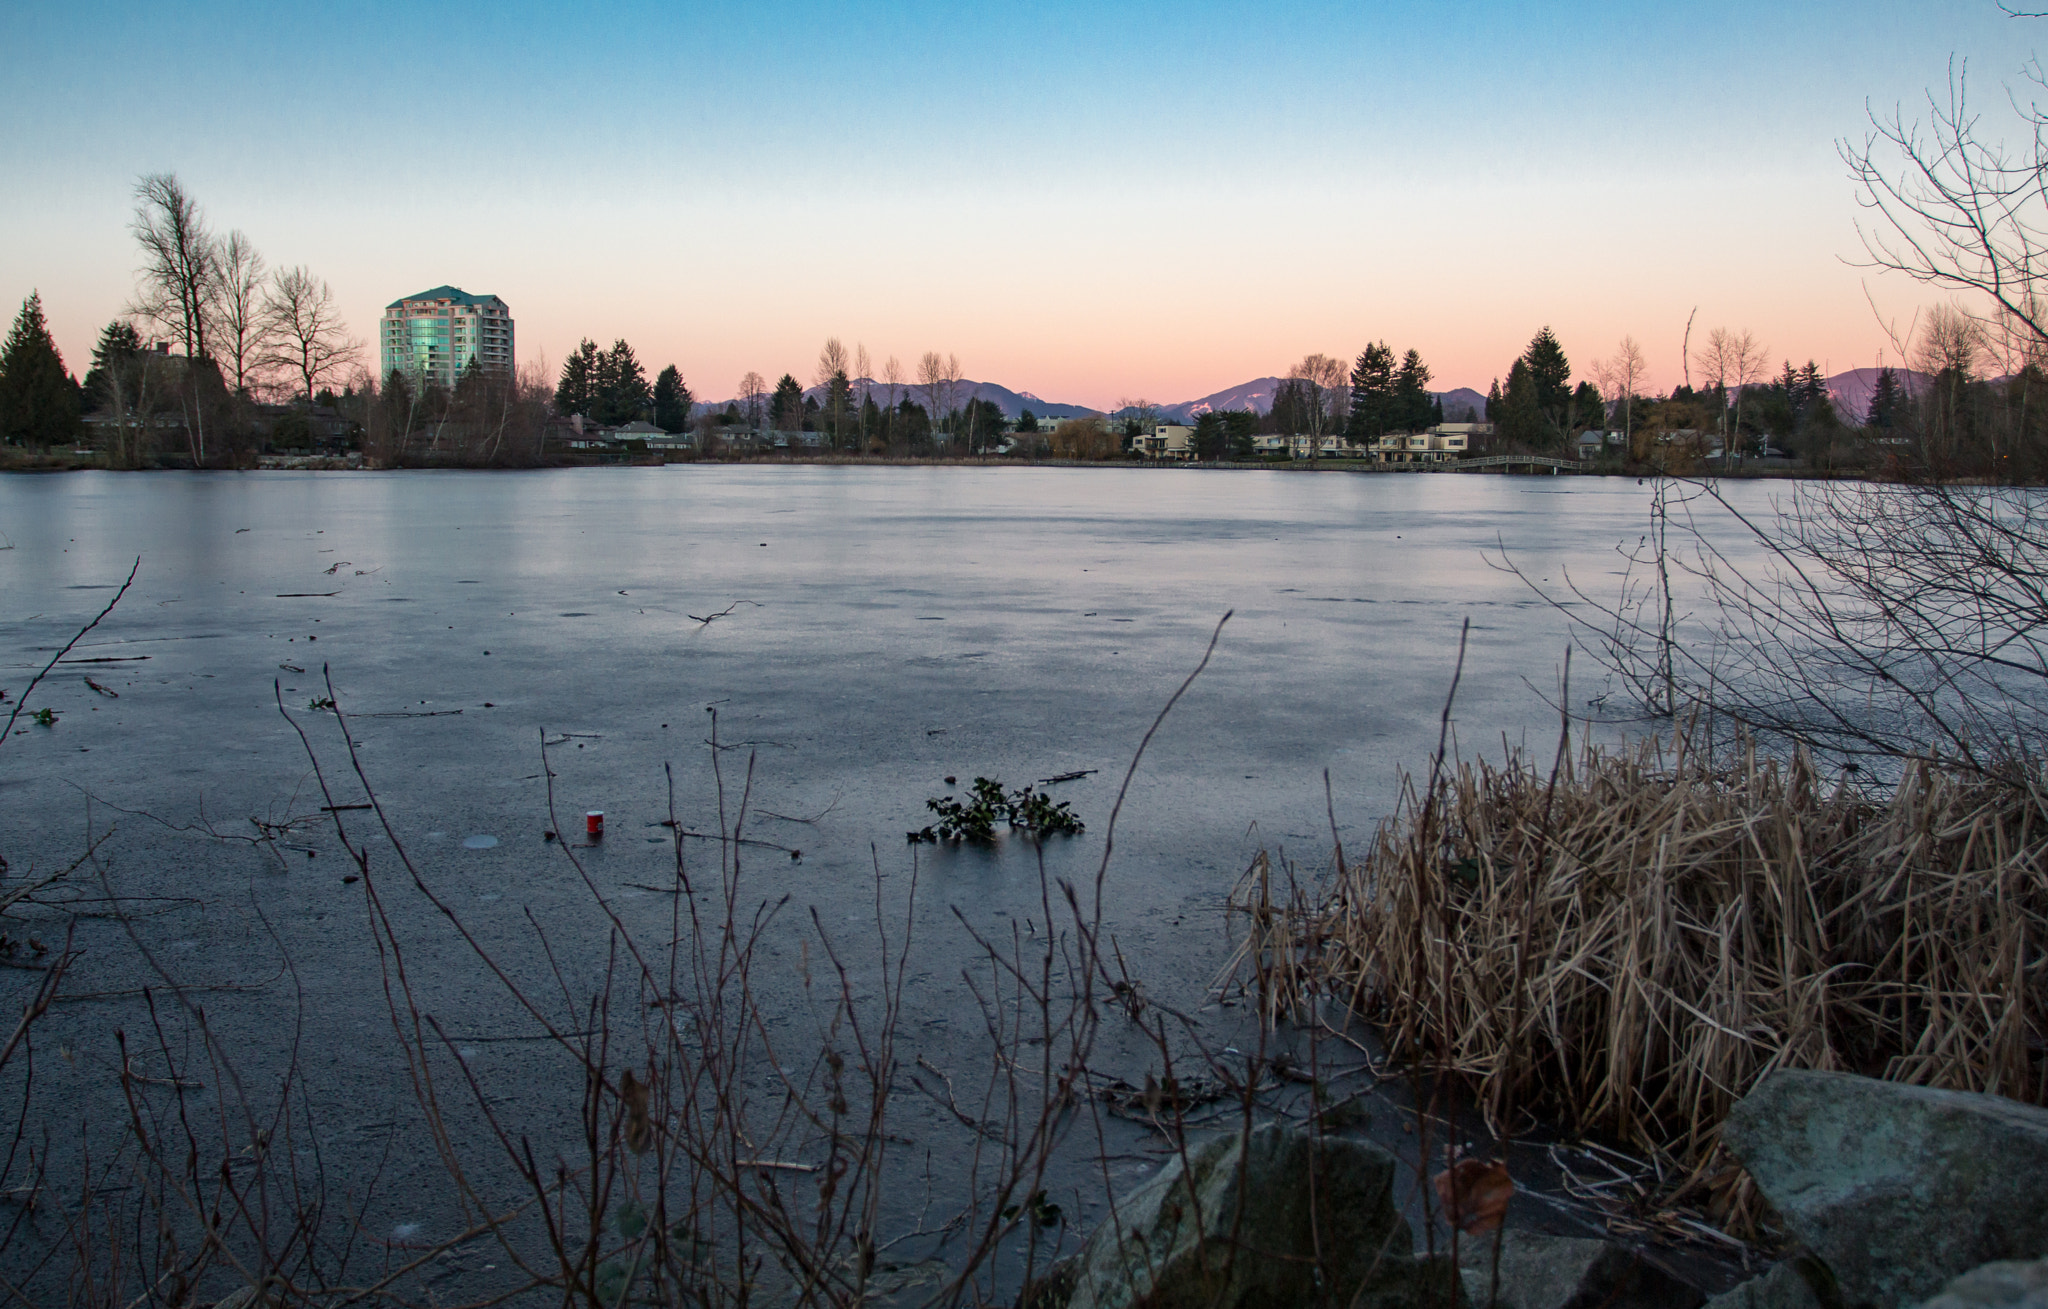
<point>1411,409</point>
<point>1494,402</point>
<point>983,424</point>
<point>621,386</point>
<point>912,425</point>
<point>1027,423</point>
<point>1373,411</point>
<point>1588,409</point>
<point>1289,415</point>
<point>672,401</point>
<point>1436,411</point>
<point>1885,401</point>
<point>38,398</point>
<point>577,391</point>
<point>1550,372</point>
<point>1225,434</point>
<point>117,348</point>
<point>1812,391</point>
<point>1520,415</point>
<point>786,405</point>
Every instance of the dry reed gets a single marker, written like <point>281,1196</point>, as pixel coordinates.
<point>1626,943</point>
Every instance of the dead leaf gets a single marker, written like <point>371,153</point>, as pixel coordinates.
<point>1475,1194</point>
<point>639,1131</point>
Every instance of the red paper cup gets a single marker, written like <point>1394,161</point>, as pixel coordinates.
<point>593,824</point>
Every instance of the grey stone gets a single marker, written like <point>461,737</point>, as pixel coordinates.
<point>1259,1221</point>
<point>1897,1189</point>
<point>2007,1284</point>
<point>1784,1286</point>
<point>1565,1272</point>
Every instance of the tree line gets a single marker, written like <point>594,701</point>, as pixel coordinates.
<point>246,332</point>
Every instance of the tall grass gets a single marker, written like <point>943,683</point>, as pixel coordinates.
<point>1627,941</point>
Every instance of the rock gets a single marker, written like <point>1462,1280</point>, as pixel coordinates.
<point>1897,1189</point>
<point>2008,1284</point>
<point>1171,1243</point>
<point>1787,1285</point>
<point>1563,1272</point>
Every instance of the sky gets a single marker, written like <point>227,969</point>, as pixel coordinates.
<point>1086,199</point>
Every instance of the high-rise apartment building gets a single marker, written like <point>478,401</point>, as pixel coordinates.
<point>431,337</point>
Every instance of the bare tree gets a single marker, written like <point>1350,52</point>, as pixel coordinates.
<point>950,396</point>
<point>1620,375</point>
<point>753,398</point>
<point>832,359</point>
<point>1882,623</point>
<point>832,368</point>
<point>1136,417</point>
<point>1735,361</point>
<point>862,366</point>
<point>1950,208</point>
<point>241,328</point>
<point>176,287</point>
<point>892,375</point>
<point>179,276</point>
<point>931,380</point>
<point>1322,380</point>
<point>308,335</point>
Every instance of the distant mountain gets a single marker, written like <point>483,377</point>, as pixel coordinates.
<point>1458,401</point>
<point>1257,396</point>
<point>1851,391</point>
<point>1012,403</point>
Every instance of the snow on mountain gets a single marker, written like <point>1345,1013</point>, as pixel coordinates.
<point>1256,395</point>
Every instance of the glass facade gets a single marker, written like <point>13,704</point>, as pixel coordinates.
<point>433,336</point>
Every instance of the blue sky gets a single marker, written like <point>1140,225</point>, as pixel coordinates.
<point>1087,200</point>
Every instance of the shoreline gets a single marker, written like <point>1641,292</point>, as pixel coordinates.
<point>353,464</point>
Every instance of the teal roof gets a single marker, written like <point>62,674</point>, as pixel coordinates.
<point>459,296</point>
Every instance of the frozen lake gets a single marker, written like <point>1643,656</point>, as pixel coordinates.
<point>882,630</point>
<point>887,627</point>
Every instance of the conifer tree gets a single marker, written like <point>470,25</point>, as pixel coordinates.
<point>1550,372</point>
<point>38,398</point>
<point>577,391</point>
<point>1373,405</point>
<point>1588,409</point>
<point>1411,409</point>
<point>620,386</point>
<point>786,405</point>
<point>1520,416</point>
<point>118,345</point>
<point>1885,401</point>
<point>672,400</point>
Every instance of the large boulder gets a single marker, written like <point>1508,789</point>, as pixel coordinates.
<point>1260,1220</point>
<point>1563,1272</point>
<point>2008,1284</point>
<point>1895,1188</point>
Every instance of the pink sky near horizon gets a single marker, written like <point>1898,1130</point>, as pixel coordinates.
<point>1192,313</point>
